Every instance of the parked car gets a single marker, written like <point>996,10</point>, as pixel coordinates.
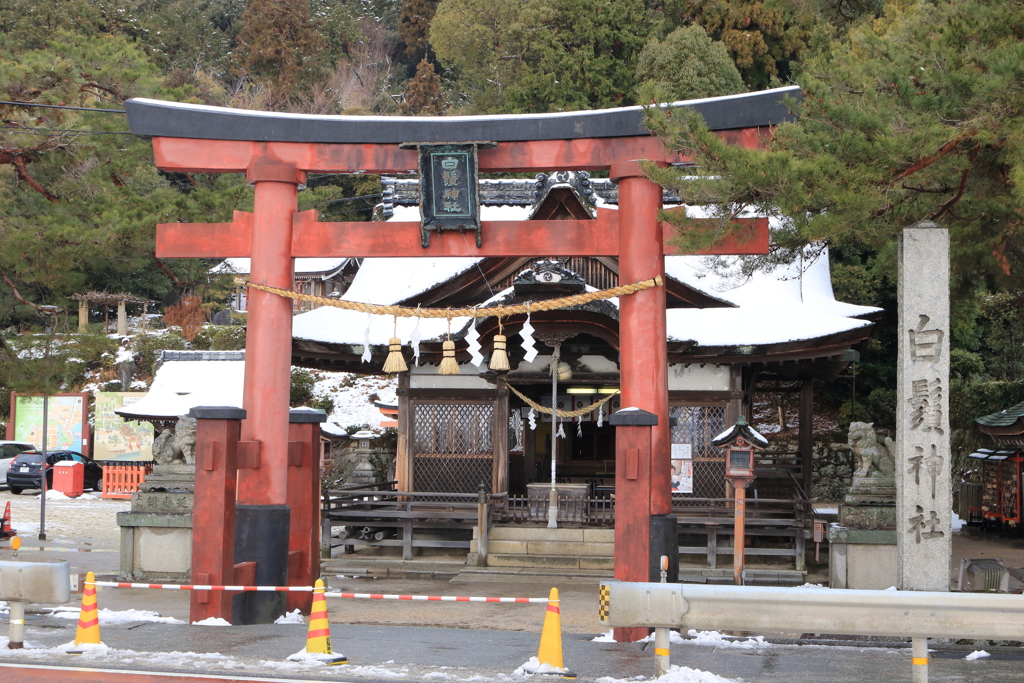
<point>9,449</point>
<point>24,471</point>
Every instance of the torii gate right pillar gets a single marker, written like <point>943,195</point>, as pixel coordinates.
<point>643,369</point>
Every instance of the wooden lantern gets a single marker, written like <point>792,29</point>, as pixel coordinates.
<point>741,443</point>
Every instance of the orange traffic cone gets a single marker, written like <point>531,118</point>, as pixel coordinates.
<point>5,530</point>
<point>318,640</point>
<point>88,618</point>
<point>550,650</point>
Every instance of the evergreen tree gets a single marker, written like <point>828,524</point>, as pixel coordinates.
<point>414,26</point>
<point>423,96</point>
<point>762,36</point>
<point>914,116</point>
<point>279,43</point>
<point>689,65</point>
<point>542,55</point>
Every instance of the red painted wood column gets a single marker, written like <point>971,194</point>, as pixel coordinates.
<point>304,504</point>
<point>213,510</point>
<point>643,371</point>
<point>268,346</point>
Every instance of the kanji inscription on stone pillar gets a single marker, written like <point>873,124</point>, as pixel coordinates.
<point>923,490</point>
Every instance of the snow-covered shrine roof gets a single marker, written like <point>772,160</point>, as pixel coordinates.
<point>304,267</point>
<point>788,304</point>
<point>187,379</point>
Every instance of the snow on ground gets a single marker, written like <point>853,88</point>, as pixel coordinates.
<point>353,396</point>
<point>110,617</point>
<point>89,518</point>
<point>713,638</point>
<point>977,654</point>
<point>294,617</point>
<point>678,674</point>
<point>212,621</point>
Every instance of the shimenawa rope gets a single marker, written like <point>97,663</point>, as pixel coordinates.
<point>500,311</point>
<point>562,413</point>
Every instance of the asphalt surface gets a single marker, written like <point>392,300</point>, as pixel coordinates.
<point>447,642</point>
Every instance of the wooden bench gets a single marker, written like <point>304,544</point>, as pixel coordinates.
<point>766,517</point>
<point>380,506</point>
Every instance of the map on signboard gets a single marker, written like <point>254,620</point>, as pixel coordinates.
<point>115,438</point>
<point>63,423</point>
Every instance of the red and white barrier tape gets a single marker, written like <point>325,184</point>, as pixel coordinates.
<point>187,587</point>
<point>365,596</point>
<point>437,598</point>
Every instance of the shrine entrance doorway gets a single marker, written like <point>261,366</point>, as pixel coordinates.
<point>277,151</point>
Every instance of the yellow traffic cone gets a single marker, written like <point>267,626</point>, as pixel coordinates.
<point>550,650</point>
<point>318,640</point>
<point>88,618</point>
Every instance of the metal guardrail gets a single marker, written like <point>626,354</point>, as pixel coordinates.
<point>900,614</point>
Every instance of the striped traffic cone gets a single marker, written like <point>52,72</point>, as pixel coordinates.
<point>88,618</point>
<point>550,650</point>
<point>318,640</point>
<point>5,530</point>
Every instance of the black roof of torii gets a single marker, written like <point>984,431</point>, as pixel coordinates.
<point>175,119</point>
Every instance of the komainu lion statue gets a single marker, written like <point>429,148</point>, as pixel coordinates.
<point>875,456</point>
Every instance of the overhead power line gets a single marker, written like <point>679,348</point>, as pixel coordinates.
<point>59,106</point>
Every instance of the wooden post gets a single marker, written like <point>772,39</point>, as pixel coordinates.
<point>644,378</point>
<point>122,318</point>
<point>806,433</point>
<point>632,482</point>
<point>213,512</point>
<point>83,316</point>
<point>403,447</point>
<point>304,505</point>
<point>499,477</point>
<point>738,538</point>
<point>483,523</point>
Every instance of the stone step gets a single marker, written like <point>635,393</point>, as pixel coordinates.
<point>538,533</point>
<point>549,561</point>
<point>577,548</point>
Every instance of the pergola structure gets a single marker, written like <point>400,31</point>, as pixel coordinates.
<point>107,299</point>
<point>277,151</point>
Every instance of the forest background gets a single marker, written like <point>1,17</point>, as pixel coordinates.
<point>912,110</point>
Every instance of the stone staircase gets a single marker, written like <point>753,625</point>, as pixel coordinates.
<point>520,546</point>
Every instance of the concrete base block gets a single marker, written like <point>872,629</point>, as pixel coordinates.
<point>520,533</point>
<point>542,561</point>
<point>867,566</point>
<point>162,551</point>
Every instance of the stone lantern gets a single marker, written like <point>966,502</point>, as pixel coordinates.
<point>741,443</point>
<point>359,452</point>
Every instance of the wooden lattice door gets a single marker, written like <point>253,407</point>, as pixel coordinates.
<point>452,447</point>
<point>697,426</point>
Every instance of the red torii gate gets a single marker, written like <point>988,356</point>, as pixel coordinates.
<point>276,151</point>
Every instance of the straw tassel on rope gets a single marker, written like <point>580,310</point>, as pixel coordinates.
<point>395,362</point>
<point>499,357</point>
<point>449,366</point>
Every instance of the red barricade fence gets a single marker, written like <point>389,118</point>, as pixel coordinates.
<point>122,479</point>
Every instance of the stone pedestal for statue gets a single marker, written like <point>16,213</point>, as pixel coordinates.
<point>862,548</point>
<point>156,535</point>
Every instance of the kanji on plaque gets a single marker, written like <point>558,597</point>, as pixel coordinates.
<point>448,189</point>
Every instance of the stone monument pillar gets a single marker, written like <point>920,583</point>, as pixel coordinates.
<point>924,501</point>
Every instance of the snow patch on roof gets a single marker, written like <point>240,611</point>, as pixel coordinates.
<point>303,266</point>
<point>180,386</point>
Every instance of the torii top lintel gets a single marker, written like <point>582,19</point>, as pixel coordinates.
<point>199,138</point>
